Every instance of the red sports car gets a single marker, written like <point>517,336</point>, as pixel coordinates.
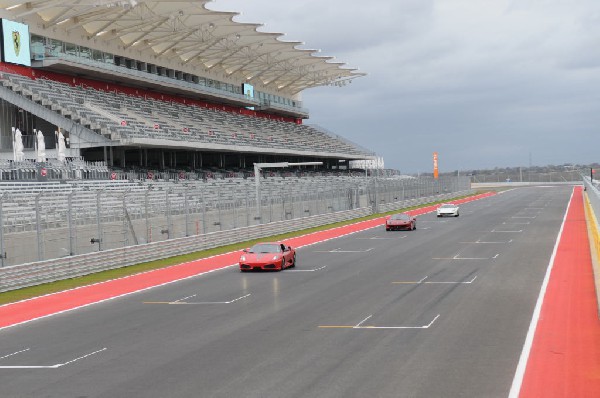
<point>400,221</point>
<point>268,256</point>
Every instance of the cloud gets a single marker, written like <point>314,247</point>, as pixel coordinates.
<point>483,83</point>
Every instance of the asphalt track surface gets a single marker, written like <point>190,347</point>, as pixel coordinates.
<point>442,311</point>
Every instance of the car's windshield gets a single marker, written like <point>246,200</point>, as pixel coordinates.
<point>448,205</point>
<point>265,248</point>
<point>399,217</point>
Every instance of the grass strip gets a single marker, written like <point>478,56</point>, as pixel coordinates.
<point>65,284</point>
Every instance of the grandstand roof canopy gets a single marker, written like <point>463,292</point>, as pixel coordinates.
<point>200,38</point>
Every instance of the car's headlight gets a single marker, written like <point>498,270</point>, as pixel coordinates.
<point>243,258</point>
<point>275,257</point>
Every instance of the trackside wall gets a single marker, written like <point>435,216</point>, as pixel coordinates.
<point>592,213</point>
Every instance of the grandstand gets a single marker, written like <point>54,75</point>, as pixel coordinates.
<point>125,123</point>
<point>157,86</point>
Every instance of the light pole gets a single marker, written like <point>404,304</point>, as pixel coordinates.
<point>259,166</point>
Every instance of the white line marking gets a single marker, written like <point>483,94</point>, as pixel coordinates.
<point>305,270</point>
<point>327,251</point>
<point>212,302</point>
<point>58,365</point>
<point>460,258</point>
<point>350,251</point>
<point>515,389</point>
<point>431,323</point>
<point>382,238</point>
<point>85,356</point>
<point>361,322</point>
<point>185,298</point>
<point>239,298</point>
<point>496,256</point>
<point>397,327</point>
<point>471,258</point>
<point>451,283</point>
<point>14,353</point>
<point>499,242</point>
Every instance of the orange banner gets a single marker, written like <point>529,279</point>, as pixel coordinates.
<point>435,165</point>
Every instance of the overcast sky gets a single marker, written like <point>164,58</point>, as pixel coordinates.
<point>486,84</point>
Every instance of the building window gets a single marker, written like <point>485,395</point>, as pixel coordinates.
<point>85,52</point>
<point>55,48</point>
<point>108,58</point>
<point>72,49</point>
<point>97,55</point>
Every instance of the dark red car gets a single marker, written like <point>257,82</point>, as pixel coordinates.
<point>400,221</point>
<point>272,256</point>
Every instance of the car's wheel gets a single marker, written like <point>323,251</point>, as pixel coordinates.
<point>282,264</point>
<point>414,226</point>
<point>293,263</point>
<point>456,215</point>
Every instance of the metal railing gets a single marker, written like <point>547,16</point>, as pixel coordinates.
<point>592,208</point>
<point>53,220</point>
<point>34,273</point>
<point>593,193</point>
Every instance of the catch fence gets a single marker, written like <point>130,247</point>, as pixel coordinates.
<point>61,222</point>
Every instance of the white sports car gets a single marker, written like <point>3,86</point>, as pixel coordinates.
<point>447,209</point>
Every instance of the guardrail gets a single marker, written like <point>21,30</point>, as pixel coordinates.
<point>35,273</point>
<point>592,207</point>
<point>593,194</point>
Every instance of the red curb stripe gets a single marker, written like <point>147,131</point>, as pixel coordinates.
<point>39,307</point>
<point>565,356</point>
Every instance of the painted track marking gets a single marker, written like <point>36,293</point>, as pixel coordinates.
<point>338,250</point>
<point>478,241</point>
<point>463,258</point>
<point>56,366</point>
<point>181,301</point>
<point>14,353</point>
<point>383,238</point>
<point>305,270</point>
<point>359,325</point>
<point>423,282</point>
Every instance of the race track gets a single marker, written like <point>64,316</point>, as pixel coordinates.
<point>442,311</point>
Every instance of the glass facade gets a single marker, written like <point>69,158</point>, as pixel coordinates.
<point>44,47</point>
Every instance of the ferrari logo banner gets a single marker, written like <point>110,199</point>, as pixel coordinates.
<point>16,35</point>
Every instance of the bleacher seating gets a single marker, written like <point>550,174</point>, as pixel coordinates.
<point>128,118</point>
<point>74,168</point>
<point>21,199</point>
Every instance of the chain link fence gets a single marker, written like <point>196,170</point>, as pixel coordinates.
<point>526,175</point>
<point>42,221</point>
